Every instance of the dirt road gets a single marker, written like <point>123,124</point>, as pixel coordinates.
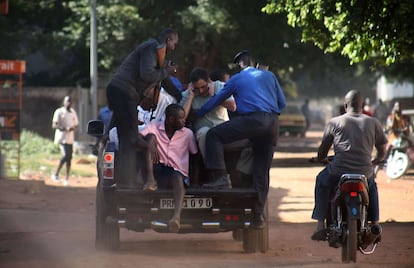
<point>43,224</point>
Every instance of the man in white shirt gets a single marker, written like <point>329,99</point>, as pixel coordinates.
<point>65,121</point>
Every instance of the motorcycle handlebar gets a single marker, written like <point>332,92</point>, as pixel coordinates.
<point>325,160</point>
<point>331,157</point>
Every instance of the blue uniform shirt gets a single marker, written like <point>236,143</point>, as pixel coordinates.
<point>105,115</point>
<point>253,90</point>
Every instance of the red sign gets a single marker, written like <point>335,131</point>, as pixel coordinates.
<point>12,66</point>
<point>4,7</point>
<point>9,124</point>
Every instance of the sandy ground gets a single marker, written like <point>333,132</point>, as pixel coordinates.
<point>43,224</point>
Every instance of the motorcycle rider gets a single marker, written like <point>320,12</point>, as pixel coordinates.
<point>396,124</point>
<point>353,136</point>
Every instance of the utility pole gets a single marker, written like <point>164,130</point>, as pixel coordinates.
<point>93,63</point>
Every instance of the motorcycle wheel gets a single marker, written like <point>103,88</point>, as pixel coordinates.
<point>397,165</point>
<point>350,245</point>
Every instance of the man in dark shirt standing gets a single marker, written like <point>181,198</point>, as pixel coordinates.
<point>259,100</point>
<point>136,79</point>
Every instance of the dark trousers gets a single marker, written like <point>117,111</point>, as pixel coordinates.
<point>325,185</point>
<point>67,152</point>
<point>262,130</point>
<point>124,103</point>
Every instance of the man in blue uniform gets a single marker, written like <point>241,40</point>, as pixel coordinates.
<point>259,100</point>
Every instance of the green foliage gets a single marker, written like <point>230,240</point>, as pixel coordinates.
<point>377,30</point>
<point>210,32</point>
<point>31,144</point>
<point>38,154</point>
<point>34,150</point>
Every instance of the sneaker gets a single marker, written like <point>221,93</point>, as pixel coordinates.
<point>258,222</point>
<point>55,178</point>
<point>65,183</point>
<point>222,182</point>
<point>320,235</point>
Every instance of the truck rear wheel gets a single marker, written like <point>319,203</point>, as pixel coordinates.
<point>238,235</point>
<point>106,233</point>
<point>250,240</point>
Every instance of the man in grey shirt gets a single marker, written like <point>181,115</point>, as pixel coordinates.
<point>354,136</point>
<point>135,80</point>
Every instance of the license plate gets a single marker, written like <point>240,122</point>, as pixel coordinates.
<point>188,203</point>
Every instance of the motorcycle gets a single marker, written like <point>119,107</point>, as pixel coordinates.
<point>400,157</point>
<point>347,224</point>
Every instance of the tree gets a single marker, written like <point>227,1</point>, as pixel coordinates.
<point>378,30</point>
<point>210,32</point>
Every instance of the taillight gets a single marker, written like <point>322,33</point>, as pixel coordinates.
<point>231,217</point>
<point>108,173</point>
<point>353,187</point>
<point>108,166</point>
<point>108,157</point>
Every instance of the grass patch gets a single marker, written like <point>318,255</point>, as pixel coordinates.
<point>38,154</point>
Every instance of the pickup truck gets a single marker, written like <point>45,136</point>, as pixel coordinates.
<point>204,210</point>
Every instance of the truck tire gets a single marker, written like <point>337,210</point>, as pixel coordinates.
<point>106,233</point>
<point>238,235</point>
<point>263,234</point>
<point>250,240</point>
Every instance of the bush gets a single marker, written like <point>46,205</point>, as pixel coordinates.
<point>33,144</point>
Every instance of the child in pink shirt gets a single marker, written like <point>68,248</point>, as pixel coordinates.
<point>174,142</point>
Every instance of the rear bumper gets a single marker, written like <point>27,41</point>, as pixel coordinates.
<point>137,210</point>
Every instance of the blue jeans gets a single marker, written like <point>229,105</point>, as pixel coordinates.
<point>325,185</point>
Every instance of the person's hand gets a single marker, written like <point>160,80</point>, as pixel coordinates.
<point>374,161</point>
<point>211,88</point>
<point>377,162</point>
<point>191,91</point>
<point>318,160</point>
<point>324,160</point>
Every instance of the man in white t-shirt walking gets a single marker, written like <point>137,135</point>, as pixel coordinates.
<point>65,121</point>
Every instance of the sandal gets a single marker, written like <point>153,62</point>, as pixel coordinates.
<point>150,187</point>
<point>174,225</point>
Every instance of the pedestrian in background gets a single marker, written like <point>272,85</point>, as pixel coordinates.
<point>307,113</point>
<point>105,115</point>
<point>65,120</point>
<point>219,75</point>
<point>381,112</point>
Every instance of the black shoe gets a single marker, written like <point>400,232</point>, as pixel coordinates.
<point>258,222</point>
<point>222,182</point>
<point>320,235</point>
